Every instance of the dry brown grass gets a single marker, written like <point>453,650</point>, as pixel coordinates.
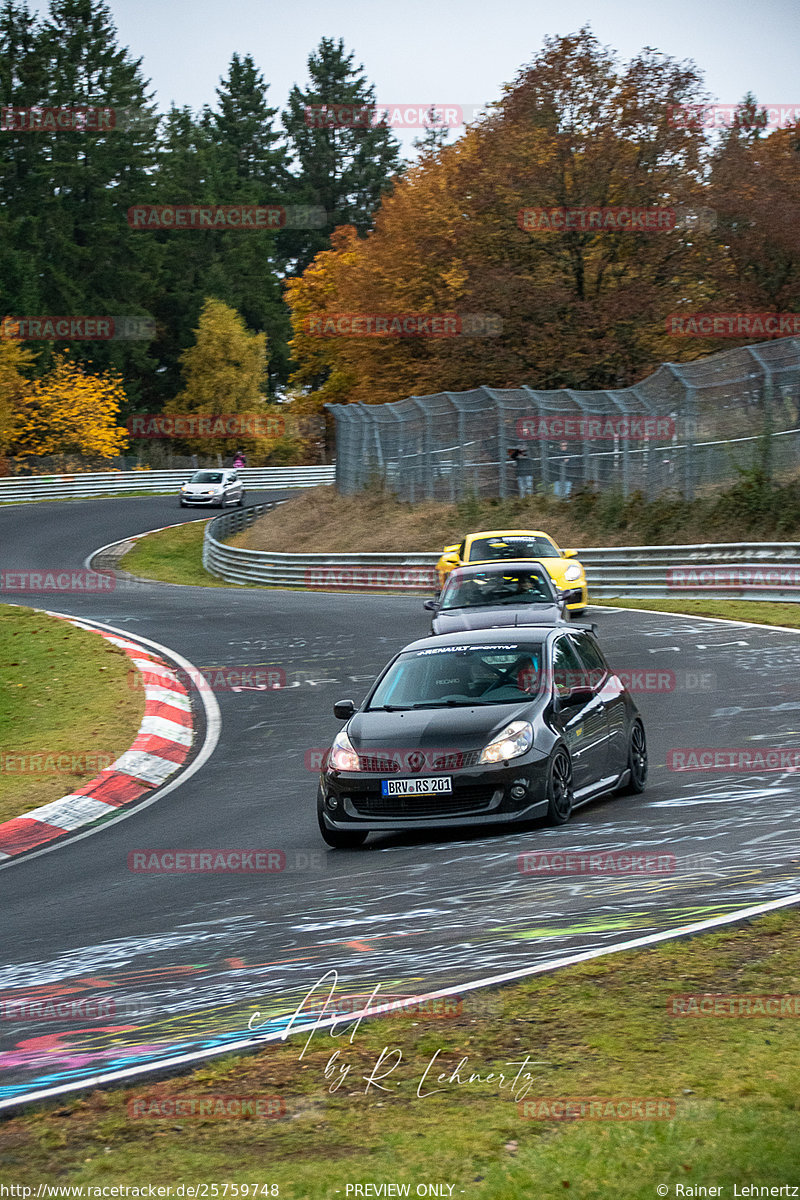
<point>320,521</point>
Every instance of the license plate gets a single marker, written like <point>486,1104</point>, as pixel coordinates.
<point>419,786</point>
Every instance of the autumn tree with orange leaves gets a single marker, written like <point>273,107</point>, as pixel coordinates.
<point>581,309</point>
<point>755,194</point>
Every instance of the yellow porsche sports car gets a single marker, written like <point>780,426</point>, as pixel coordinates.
<point>561,565</point>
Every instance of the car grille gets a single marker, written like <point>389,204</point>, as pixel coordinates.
<point>378,766</point>
<point>456,760</point>
<point>434,760</point>
<point>470,800</point>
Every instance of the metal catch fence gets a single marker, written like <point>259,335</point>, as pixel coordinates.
<point>686,428</point>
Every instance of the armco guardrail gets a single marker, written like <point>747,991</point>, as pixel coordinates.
<point>19,488</point>
<point>347,572</point>
<point>735,570</point>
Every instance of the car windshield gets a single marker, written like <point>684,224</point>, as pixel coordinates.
<point>460,676</point>
<point>515,545</point>
<point>492,588</point>
<point>206,477</point>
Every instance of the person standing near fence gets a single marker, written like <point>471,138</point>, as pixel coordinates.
<point>523,465</point>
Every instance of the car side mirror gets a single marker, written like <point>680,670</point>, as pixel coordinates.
<point>572,596</point>
<point>430,605</point>
<point>343,710</point>
<point>577,696</point>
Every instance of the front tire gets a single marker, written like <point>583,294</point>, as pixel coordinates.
<point>560,794</point>
<point>637,761</point>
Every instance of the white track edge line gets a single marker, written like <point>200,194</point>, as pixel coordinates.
<point>487,981</point>
<point>198,1056</point>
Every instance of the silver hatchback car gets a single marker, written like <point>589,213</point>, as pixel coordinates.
<point>214,487</point>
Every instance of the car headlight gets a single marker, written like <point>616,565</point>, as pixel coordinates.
<point>343,756</point>
<point>573,571</point>
<point>516,739</point>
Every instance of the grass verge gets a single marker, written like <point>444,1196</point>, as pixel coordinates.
<point>417,1101</point>
<point>66,708</point>
<point>172,556</point>
<point>759,612</point>
<point>374,521</point>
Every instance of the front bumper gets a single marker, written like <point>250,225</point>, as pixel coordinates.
<point>584,594</point>
<point>479,797</point>
<point>205,501</point>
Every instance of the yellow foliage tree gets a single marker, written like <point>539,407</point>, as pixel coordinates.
<point>225,375</point>
<point>14,387</point>
<point>69,411</point>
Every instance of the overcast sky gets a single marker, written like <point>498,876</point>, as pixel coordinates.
<point>458,52</point>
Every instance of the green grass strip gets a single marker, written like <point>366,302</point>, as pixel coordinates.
<point>759,612</point>
<point>172,556</point>
<point>418,1100</point>
<point>69,706</point>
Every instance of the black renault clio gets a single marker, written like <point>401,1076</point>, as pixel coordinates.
<point>482,728</point>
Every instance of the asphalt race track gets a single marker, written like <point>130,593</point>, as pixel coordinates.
<point>189,958</point>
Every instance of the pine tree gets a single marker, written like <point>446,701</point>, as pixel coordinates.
<point>22,86</point>
<point>243,130</point>
<point>253,169</point>
<point>343,168</point>
<point>70,216</point>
